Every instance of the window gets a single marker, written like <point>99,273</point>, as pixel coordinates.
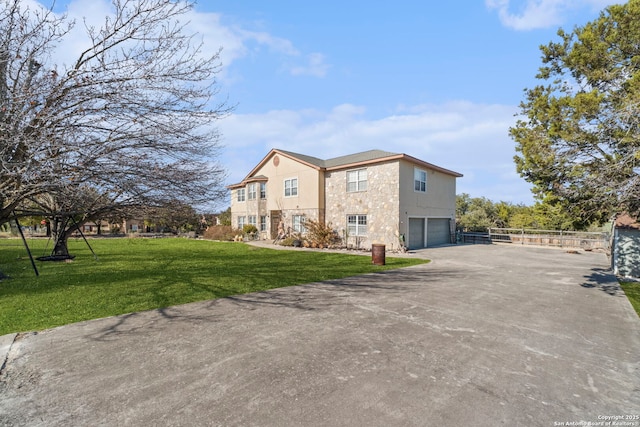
<point>291,187</point>
<point>241,194</point>
<point>252,191</point>
<point>419,180</point>
<point>252,220</point>
<point>298,224</point>
<point>357,180</point>
<point>263,223</point>
<point>263,190</point>
<point>357,225</point>
<point>241,221</point>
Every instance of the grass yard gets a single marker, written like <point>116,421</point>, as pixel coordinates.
<point>134,274</point>
<point>632,290</point>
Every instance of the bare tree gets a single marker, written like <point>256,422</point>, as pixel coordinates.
<point>129,123</point>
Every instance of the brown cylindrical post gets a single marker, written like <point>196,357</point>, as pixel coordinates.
<point>378,254</point>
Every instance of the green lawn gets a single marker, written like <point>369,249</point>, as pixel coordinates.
<point>632,290</point>
<point>142,274</point>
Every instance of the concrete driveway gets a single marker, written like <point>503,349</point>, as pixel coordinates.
<point>482,336</point>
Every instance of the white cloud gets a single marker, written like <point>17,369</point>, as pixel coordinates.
<point>315,67</point>
<point>469,138</point>
<point>236,42</point>
<point>532,14</point>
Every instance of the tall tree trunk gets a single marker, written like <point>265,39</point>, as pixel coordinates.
<point>61,248</point>
<point>61,234</point>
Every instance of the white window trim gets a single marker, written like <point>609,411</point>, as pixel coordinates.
<point>416,180</point>
<point>241,195</point>
<point>251,191</point>
<point>299,227</point>
<point>263,194</point>
<point>357,225</point>
<point>291,188</point>
<point>358,181</point>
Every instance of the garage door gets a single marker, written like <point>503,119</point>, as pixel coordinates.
<point>438,232</point>
<point>416,233</point>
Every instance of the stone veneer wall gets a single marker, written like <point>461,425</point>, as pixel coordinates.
<point>380,202</point>
<point>287,214</point>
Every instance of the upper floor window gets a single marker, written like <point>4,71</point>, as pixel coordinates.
<point>357,180</point>
<point>291,187</point>
<point>263,190</point>
<point>241,194</point>
<point>252,191</point>
<point>420,180</point>
<point>357,225</point>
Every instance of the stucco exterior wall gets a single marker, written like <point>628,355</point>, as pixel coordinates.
<point>388,201</point>
<point>439,201</point>
<point>308,180</point>
<point>379,202</point>
<point>308,202</point>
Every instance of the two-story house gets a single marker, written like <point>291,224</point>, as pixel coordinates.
<point>369,197</point>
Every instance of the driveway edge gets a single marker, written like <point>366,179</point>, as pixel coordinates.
<point>6,342</point>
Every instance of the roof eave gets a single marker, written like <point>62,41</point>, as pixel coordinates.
<point>432,166</point>
<point>396,157</point>
<point>299,160</point>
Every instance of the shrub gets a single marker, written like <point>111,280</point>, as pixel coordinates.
<point>220,232</point>
<point>249,229</point>
<point>320,235</point>
<point>288,241</point>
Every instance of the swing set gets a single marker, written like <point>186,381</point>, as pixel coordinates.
<point>53,256</point>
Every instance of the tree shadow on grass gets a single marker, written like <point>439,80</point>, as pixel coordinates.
<point>604,280</point>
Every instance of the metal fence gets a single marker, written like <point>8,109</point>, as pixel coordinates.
<point>555,238</point>
<point>474,238</point>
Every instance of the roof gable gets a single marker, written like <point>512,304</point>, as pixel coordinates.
<point>352,160</point>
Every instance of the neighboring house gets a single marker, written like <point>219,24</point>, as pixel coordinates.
<point>127,225</point>
<point>369,197</point>
<point>92,227</point>
<point>625,247</point>
<point>133,225</point>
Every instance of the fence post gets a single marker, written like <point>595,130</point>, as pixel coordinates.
<point>561,239</point>
<point>522,237</point>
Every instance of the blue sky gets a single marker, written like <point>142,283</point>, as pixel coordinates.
<point>438,80</point>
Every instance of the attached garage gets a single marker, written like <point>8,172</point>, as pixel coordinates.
<point>416,233</point>
<point>438,232</point>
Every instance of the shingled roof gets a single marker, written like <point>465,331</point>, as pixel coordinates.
<point>307,159</point>
<point>362,158</point>
<point>365,156</point>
